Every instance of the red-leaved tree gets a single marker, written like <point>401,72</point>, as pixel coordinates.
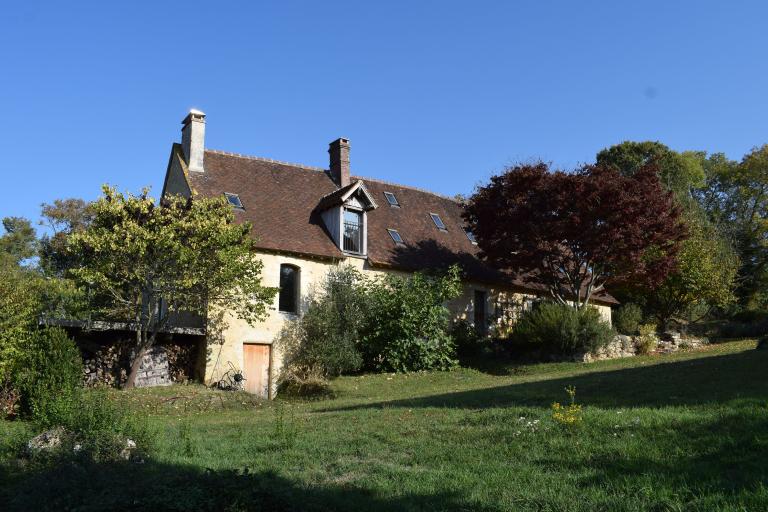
<point>577,232</point>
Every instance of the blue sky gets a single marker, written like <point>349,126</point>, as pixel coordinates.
<point>438,95</point>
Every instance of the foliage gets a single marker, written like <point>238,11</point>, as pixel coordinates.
<point>678,172</point>
<point>736,199</point>
<point>144,263</point>
<point>323,342</point>
<point>627,318</point>
<point>647,340</point>
<point>465,336</point>
<point>408,325</point>
<point>578,232</point>
<point>569,416</point>
<point>101,426</point>
<point>393,324</point>
<point>48,375</point>
<point>19,242</point>
<point>20,307</point>
<point>62,218</point>
<point>559,329</point>
<point>704,277</point>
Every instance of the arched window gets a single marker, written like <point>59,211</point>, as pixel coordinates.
<point>289,289</point>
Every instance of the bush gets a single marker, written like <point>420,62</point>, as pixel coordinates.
<point>324,342</point>
<point>466,339</point>
<point>647,341</point>
<point>101,426</point>
<point>561,329</point>
<point>408,326</point>
<point>48,376</point>
<point>627,318</point>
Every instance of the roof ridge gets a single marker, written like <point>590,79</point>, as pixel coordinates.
<point>409,187</point>
<point>268,160</point>
<point>313,168</point>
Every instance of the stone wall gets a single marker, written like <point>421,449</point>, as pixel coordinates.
<point>628,346</point>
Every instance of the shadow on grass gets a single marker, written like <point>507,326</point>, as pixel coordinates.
<point>163,487</point>
<point>715,379</point>
<point>699,461</point>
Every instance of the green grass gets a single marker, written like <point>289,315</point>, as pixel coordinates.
<point>681,432</point>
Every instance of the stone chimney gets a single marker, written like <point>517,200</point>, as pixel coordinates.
<point>193,140</point>
<point>339,151</point>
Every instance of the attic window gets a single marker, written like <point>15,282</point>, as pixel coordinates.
<point>395,236</point>
<point>438,221</point>
<point>391,199</point>
<point>234,200</point>
<point>470,236</point>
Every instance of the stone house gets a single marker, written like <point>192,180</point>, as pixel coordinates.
<point>307,220</point>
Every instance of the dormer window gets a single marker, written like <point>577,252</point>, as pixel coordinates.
<point>234,200</point>
<point>391,199</point>
<point>470,236</point>
<point>396,236</point>
<point>438,222</point>
<point>353,231</point>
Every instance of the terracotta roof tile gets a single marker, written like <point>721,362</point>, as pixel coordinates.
<point>282,202</point>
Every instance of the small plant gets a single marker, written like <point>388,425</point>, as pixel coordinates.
<point>188,447</point>
<point>569,416</point>
<point>285,431</point>
<point>647,341</point>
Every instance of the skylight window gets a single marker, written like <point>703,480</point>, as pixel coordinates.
<point>438,221</point>
<point>391,199</point>
<point>234,200</point>
<point>395,236</point>
<point>470,236</point>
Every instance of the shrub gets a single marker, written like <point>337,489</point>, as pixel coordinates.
<point>49,375</point>
<point>627,318</point>
<point>465,338</point>
<point>101,426</point>
<point>324,342</point>
<point>408,325</point>
<point>561,329</point>
<point>647,341</point>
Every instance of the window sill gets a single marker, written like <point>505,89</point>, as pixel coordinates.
<point>355,255</point>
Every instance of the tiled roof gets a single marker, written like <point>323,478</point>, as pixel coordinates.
<point>282,202</point>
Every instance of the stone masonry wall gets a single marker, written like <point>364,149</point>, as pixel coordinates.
<point>628,346</point>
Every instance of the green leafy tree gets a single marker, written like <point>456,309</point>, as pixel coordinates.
<point>20,308</point>
<point>736,199</point>
<point>62,218</point>
<point>409,323</point>
<point>19,242</point>
<point>705,276</point>
<point>678,172</point>
<point>324,342</point>
<point>149,263</point>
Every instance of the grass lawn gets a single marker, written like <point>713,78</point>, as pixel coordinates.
<point>679,432</point>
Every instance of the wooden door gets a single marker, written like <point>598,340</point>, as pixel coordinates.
<point>256,368</point>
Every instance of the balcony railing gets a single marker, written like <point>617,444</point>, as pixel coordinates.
<point>353,237</point>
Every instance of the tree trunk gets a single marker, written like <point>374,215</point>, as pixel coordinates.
<point>141,349</point>
<point>135,367</point>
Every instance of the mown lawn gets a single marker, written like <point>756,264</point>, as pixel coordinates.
<point>680,432</point>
